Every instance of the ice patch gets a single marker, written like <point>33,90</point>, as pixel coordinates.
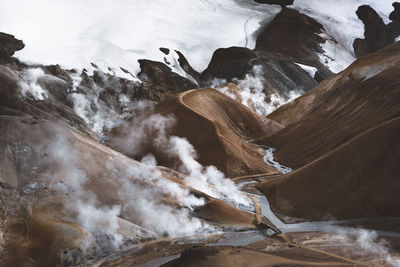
<point>309,69</point>
<point>336,57</point>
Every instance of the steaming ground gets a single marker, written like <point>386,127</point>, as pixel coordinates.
<point>252,93</point>
<point>139,184</point>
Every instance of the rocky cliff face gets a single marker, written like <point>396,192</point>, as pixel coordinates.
<point>377,33</point>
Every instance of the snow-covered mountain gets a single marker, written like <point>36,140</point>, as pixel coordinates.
<point>117,33</point>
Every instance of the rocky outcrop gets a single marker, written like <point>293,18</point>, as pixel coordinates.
<point>282,3</point>
<point>162,80</point>
<point>377,33</point>
<point>8,46</point>
<point>395,15</point>
<point>291,37</point>
<point>277,74</point>
<point>184,63</point>
<point>229,63</point>
<point>394,26</point>
<point>296,37</point>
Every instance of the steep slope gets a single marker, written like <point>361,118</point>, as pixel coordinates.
<point>228,256</point>
<point>281,69</point>
<point>301,35</point>
<point>217,127</point>
<point>363,96</point>
<point>358,179</point>
<point>233,124</point>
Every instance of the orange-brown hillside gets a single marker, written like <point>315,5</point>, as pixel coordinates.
<point>358,179</point>
<point>217,126</point>
<point>364,95</point>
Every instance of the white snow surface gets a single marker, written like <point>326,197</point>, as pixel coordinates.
<point>116,33</point>
<point>309,69</point>
<point>341,22</point>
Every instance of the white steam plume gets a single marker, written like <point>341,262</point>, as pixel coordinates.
<point>30,86</point>
<point>368,244</point>
<point>152,131</point>
<point>252,92</point>
<point>143,194</point>
<point>206,179</point>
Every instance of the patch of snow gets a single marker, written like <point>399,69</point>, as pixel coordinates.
<point>336,57</point>
<point>309,69</point>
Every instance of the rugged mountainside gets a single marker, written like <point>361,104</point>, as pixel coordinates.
<point>298,32</point>
<point>342,135</point>
<point>162,162</point>
<point>363,96</point>
<point>216,126</point>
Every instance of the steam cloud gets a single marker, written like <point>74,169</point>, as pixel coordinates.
<point>144,195</point>
<point>368,243</point>
<point>152,132</point>
<point>252,92</point>
<point>30,86</point>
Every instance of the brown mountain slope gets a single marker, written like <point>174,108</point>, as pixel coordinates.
<point>361,178</point>
<point>50,168</point>
<point>362,96</point>
<point>217,127</point>
<point>231,256</point>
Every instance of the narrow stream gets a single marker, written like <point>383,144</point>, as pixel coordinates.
<point>323,226</point>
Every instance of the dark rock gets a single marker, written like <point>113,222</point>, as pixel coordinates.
<point>395,15</point>
<point>8,46</point>
<point>161,78</point>
<point>166,61</point>
<point>57,71</point>
<point>291,37</point>
<point>294,36</point>
<point>228,63</point>
<point>282,3</point>
<point>291,33</point>
<point>164,50</point>
<point>377,34</point>
<point>183,62</point>
<point>394,26</point>
<point>278,74</point>
<point>282,76</point>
